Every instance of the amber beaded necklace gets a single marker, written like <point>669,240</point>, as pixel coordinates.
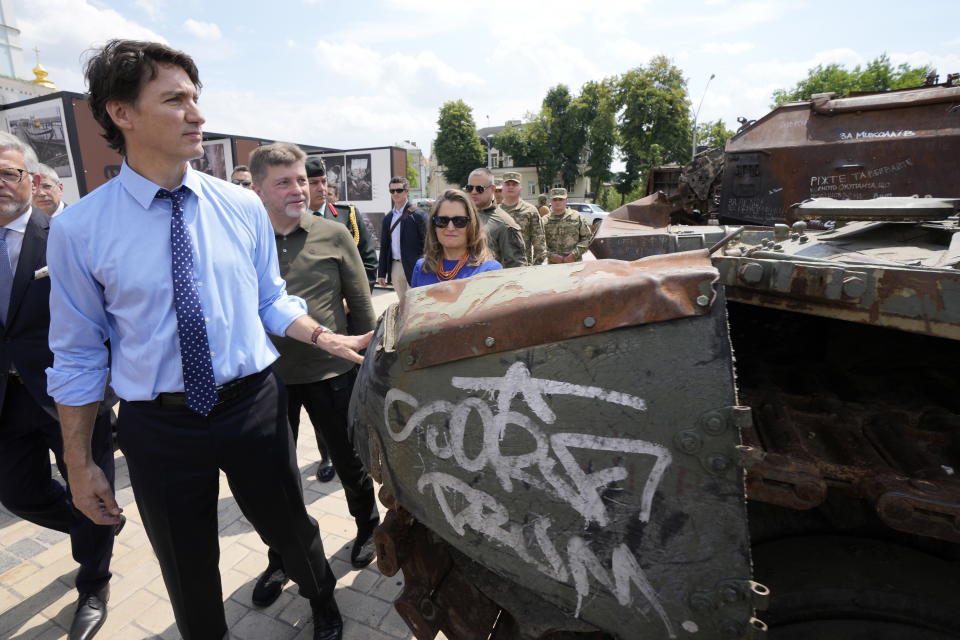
<point>450,275</point>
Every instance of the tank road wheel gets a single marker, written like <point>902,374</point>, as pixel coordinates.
<point>857,589</point>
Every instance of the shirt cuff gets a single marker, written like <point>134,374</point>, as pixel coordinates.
<point>76,388</point>
<point>281,314</point>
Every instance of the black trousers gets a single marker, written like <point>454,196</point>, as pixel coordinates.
<point>174,456</point>
<point>27,436</point>
<point>327,402</point>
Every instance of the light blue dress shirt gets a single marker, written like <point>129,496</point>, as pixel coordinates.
<point>110,277</point>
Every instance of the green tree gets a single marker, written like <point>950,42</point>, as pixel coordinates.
<point>600,120</point>
<point>713,134</point>
<point>516,143</point>
<point>413,174</point>
<point>458,147</point>
<point>566,133</point>
<point>878,75</point>
<point>654,124</point>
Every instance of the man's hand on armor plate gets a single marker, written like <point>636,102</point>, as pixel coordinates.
<point>346,347</point>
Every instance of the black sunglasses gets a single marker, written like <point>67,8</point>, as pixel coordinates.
<point>243,183</point>
<point>458,221</point>
<point>397,190</point>
<point>470,188</point>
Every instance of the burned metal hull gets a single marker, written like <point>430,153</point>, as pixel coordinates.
<point>536,422</point>
<point>846,344</point>
<point>890,144</point>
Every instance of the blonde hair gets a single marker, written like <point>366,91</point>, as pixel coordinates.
<point>476,237</point>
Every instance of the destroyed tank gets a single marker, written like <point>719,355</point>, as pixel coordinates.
<point>691,444</point>
<point>847,343</point>
<point>864,146</point>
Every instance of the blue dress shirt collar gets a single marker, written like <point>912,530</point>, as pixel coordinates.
<point>144,191</point>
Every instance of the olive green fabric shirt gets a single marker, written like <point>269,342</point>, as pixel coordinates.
<point>503,237</point>
<point>321,264</point>
<point>566,232</point>
<point>531,229</point>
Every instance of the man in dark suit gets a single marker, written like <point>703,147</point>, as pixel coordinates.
<point>401,238</point>
<point>28,425</point>
<point>48,191</point>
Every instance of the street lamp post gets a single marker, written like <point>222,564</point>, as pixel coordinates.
<point>696,116</point>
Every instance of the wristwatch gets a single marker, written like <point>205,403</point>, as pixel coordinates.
<point>317,331</point>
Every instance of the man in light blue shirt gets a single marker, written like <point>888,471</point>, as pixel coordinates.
<point>178,271</point>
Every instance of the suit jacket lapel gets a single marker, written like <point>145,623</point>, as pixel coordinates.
<point>31,259</point>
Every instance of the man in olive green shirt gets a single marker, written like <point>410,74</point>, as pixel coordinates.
<point>503,233</point>
<point>525,215</point>
<point>567,232</point>
<point>320,263</point>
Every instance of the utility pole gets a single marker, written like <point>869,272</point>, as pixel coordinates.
<point>696,116</point>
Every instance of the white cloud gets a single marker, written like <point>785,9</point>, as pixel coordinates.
<point>341,121</point>
<point>553,61</point>
<point>151,7</point>
<point>394,73</point>
<point>203,30</point>
<point>944,63</point>
<point>525,18</point>
<point>786,73</point>
<point>727,47</point>
<point>728,18</point>
<point>631,52</point>
<point>75,25</point>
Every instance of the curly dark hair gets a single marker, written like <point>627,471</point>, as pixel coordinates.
<point>120,69</point>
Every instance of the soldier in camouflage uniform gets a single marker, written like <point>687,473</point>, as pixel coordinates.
<point>542,207</point>
<point>526,215</point>
<point>503,234</point>
<point>567,232</point>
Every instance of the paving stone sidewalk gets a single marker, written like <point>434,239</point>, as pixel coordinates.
<point>37,570</point>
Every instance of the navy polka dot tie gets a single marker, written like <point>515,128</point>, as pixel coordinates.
<point>198,381</point>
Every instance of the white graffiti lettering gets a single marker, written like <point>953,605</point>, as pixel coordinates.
<point>857,135</point>
<point>858,180</point>
<point>488,517</point>
<point>515,443</point>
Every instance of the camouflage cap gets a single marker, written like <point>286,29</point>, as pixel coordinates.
<point>498,184</point>
<point>316,168</point>
<point>559,192</point>
<point>511,176</point>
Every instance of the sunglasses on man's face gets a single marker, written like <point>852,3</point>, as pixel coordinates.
<point>397,190</point>
<point>242,183</point>
<point>470,188</point>
<point>458,221</point>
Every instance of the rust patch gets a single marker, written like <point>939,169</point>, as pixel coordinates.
<point>449,292</point>
<point>517,308</point>
<point>652,211</point>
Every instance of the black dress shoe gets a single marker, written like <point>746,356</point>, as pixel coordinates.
<point>327,623</point>
<point>268,587</point>
<point>325,472</point>
<point>363,550</point>
<point>90,615</point>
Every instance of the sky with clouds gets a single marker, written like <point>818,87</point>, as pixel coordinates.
<point>366,74</point>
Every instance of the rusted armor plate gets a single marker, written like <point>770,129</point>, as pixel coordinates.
<point>592,467</point>
<point>889,144</point>
<point>501,311</point>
